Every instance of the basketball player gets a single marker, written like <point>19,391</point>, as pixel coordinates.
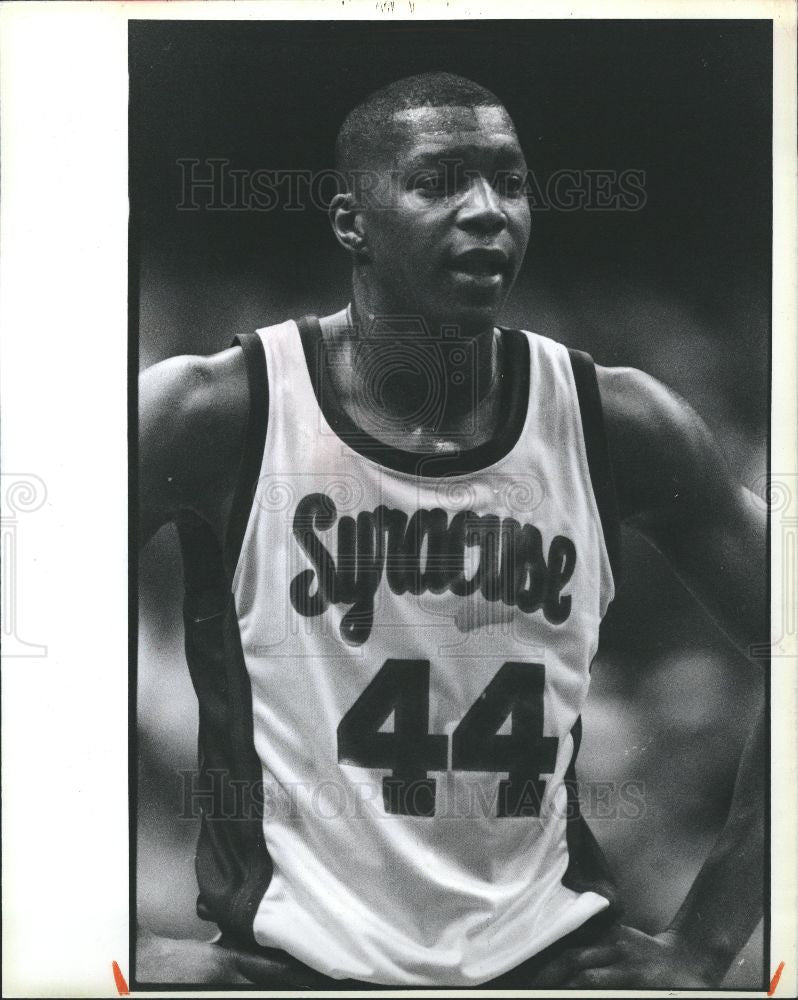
<point>399,527</point>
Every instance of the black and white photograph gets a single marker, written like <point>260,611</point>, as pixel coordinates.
<point>452,449</point>
<point>399,498</point>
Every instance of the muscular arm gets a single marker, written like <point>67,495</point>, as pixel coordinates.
<point>192,418</point>
<point>676,489</point>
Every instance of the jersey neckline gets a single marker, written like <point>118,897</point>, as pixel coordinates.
<point>513,407</point>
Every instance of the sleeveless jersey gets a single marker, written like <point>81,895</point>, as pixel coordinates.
<point>397,674</point>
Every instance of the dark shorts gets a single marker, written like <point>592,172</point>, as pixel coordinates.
<point>273,968</point>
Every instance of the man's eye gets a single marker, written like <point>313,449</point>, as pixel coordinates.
<point>510,185</point>
<point>434,184</point>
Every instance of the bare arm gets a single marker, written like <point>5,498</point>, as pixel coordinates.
<point>676,489</point>
<point>193,414</point>
<point>192,419</point>
<point>724,903</point>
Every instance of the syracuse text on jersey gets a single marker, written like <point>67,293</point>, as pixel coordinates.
<point>420,553</point>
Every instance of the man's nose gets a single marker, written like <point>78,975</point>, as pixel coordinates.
<point>482,209</point>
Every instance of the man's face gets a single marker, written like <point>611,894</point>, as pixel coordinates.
<point>448,226</point>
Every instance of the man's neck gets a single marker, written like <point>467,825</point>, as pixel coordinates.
<point>420,379</point>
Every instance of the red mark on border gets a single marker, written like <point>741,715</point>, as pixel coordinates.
<point>123,991</point>
<point>774,982</point>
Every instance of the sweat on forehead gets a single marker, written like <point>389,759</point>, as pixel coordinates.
<point>452,118</point>
<point>442,101</point>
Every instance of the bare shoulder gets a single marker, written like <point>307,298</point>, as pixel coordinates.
<point>208,391</point>
<point>663,453</point>
<point>192,419</point>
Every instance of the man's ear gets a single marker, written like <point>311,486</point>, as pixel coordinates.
<point>346,219</point>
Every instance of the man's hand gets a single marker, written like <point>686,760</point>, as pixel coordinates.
<point>626,959</point>
<point>174,960</point>
<point>216,963</point>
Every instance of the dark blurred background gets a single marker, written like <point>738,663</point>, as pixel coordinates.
<point>680,289</point>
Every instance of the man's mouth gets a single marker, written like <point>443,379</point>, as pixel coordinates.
<point>481,263</point>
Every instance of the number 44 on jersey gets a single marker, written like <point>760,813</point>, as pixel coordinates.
<point>411,751</point>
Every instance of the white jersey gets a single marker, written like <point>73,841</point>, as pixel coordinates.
<point>418,647</point>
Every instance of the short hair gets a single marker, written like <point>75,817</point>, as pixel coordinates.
<point>366,126</point>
